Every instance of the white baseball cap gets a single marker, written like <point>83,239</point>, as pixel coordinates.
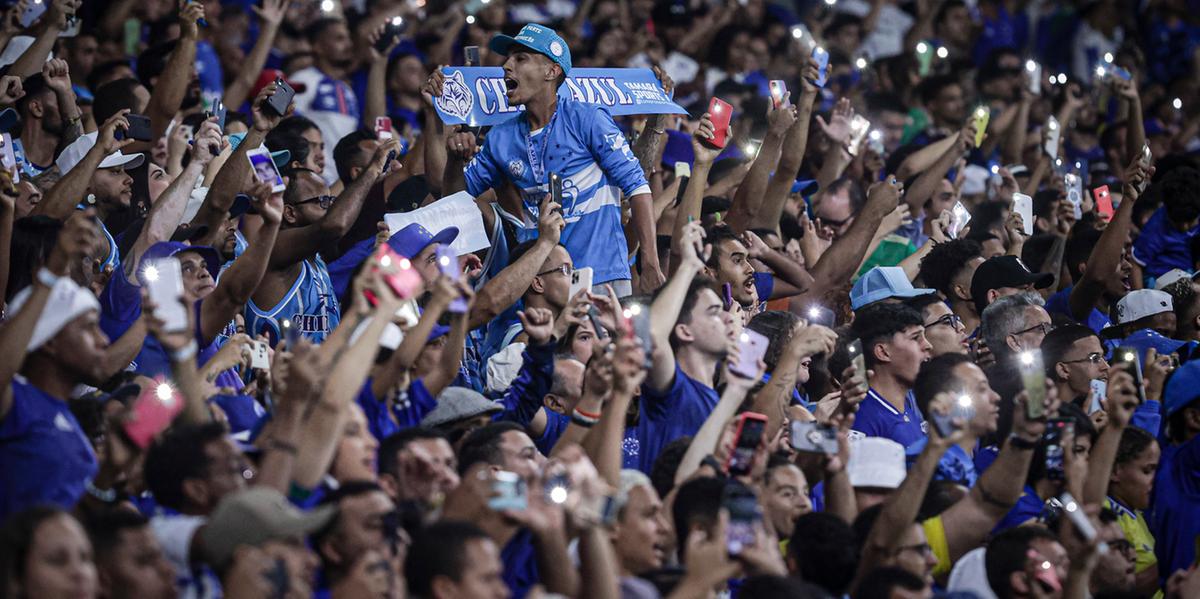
<point>1141,303</point>
<point>876,462</point>
<point>74,153</point>
<point>67,302</point>
<point>1170,277</point>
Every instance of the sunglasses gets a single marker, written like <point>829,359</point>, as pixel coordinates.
<point>322,201</point>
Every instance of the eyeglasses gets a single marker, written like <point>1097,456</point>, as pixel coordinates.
<point>322,201</point>
<point>834,224</point>
<point>1094,357</point>
<point>565,269</point>
<point>949,320</point>
<point>922,548</point>
<point>1044,327</point>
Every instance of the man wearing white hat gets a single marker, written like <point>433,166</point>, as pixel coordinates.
<point>1185,299</point>
<point>93,167</point>
<point>53,331</point>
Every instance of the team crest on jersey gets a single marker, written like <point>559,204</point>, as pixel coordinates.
<point>616,142</point>
<point>516,167</point>
<point>456,99</point>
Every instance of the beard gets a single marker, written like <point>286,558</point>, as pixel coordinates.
<point>55,127</point>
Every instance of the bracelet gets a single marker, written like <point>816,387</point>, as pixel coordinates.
<point>583,419</point>
<point>47,278</point>
<point>184,353</point>
<point>595,416</point>
<point>1020,443</point>
<point>102,495</point>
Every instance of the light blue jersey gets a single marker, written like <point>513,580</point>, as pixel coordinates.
<point>310,304</point>
<point>583,145</point>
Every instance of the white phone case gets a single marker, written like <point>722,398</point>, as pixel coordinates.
<point>1023,205</point>
<point>164,284</point>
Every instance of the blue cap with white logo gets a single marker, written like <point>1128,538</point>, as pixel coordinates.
<point>539,39</point>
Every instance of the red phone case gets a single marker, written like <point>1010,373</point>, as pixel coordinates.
<point>737,438</point>
<point>1103,202</point>
<point>719,112</point>
<point>404,281</point>
<point>383,128</point>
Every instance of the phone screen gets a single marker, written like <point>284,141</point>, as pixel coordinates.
<point>1056,428</point>
<point>744,513</point>
<point>855,349</point>
<point>1033,377</point>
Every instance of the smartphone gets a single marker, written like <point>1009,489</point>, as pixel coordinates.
<point>821,55</point>
<point>962,410</point>
<point>581,280</point>
<point>1053,133</point>
<point>959,217</point>
<point>814,437</point>
<point>719,111</point>
<point>1104,205</point>
<point>744,514</point>
<point>1056,430</point>
<point>1146,160</point>
<point>855,349</point>
<point>1033,377</point>
<point>750,429</point>
<point>683,169</point>
<point>859,127</point>
<point>290,334</point>
<point>1079,520</point>
<point>1126,358</point>
<point>8,157</point>
<point>1097,391</point>
<point>404,280</point>
<point>638,315</point>
<point>264,169</point>
<point>391,32</point>
<point>1074,187</point>
<point>139,128</point>
<point>383,128</point>
<point>980,118</point>
<point>778,91</point>
<point>471,56</point>
<point>164,283</point>
<point>1035,77</point>
<point>820,315</point>
<point>556,189</point>
<point>752,346</point>
<point>259,356</point>
<point>1023,205</point>
<point>924,58</point>
<point>153,411</point>
<point>220,111</point>
<point>279,102</point>
<point>509,492</point>
<point>447,260</point>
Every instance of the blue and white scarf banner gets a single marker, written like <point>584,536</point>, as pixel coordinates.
<point>475,95</point>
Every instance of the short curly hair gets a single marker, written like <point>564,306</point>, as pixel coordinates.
<point>945,260</point>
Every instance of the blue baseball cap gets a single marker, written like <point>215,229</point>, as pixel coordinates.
<point>1183,388</point>
<point>168,249</point>
<point>414,238</point>
<point>880,283</point>
<point>540,39</point>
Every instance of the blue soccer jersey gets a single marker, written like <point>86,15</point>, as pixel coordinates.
<point>584,146</point>
<point>310,304</point>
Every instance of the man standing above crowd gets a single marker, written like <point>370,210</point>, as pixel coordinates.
<point>578,141</point>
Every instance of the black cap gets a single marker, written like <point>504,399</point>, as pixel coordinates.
<point>1004,271</point>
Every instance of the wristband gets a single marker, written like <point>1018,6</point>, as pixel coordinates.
<point>1019,443</point>
<point>588,414</point>
<point>582,419</point>
<point>185,352</point>
<point>47,278</point>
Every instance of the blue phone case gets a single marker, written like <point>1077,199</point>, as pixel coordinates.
<point>822,57</point>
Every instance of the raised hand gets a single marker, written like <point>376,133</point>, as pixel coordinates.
<point>838,127</point>
<point>550,220</point>
<point>462,144</point>
<point>432,87</point>
<point>207,142</point>
<point>107,140</point>
<point>189,17</point>
<point>58,75</point>
<point>705,132</point>
<point>77,239</point>
<point>538,324</point>
<point>692,246</point>
<point>269,205</point>
<point>629,364</point>
<point>265,119</point>
<point>272,11</point>
<point>10,90</point>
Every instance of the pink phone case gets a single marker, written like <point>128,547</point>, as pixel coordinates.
<point>152,414</point>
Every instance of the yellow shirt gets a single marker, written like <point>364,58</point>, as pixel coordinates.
<point>935,535</point>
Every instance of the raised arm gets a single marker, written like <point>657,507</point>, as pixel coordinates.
<point>299,243</point>
<point>76,239</point>
<point>794,146</point>
<point>61,200</point>
<point>376,100</point>
<point>665,309</point>
<point>1127,91</point>
<point>167,211</point>
<point>402,360</point>
<point>173,82</point>
<point>608,435</point>
<point>773,399</point>
<point>1105,260</point>
<point>838,263</point>
<point>688,210</point>
<point>930,179</point>
<point>270,15</point>
<point>704,443</point>
<point>456,340</point>
<point>433,138</point>
<point>749,197</point>
<point>58,79</point>
<point>504,289</point>
<point>8,211</point>
<point>1120,403</point>
<point>53,21</point>
<point>238,282</point>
